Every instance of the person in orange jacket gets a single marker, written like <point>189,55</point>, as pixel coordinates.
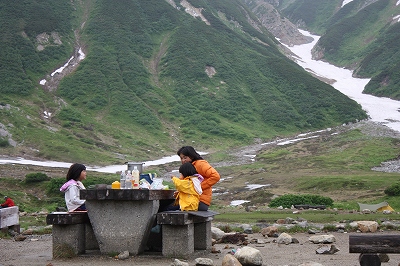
<point>210,175</point>
<point>8,203</point>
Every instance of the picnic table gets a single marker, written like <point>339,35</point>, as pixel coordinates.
<point>122,218</point>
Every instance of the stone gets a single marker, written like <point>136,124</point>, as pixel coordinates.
<point>367,226</point>
<point>269,231</point>
<point>284,238</point>
<point>123,255</point>
<point>383,257</point>
<point>179,263</point>
<point>217,233</point>
<point>311,263</point>
<point>322,239</point>
<point>230,260</point>
<point>249,256</point>
<point>19,237</point>
<point>203,262</point>
<point>325,249</point>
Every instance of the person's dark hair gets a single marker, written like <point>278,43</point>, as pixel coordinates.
<point>75,171</point>
<point>187,169</point>
<point>190,152</point>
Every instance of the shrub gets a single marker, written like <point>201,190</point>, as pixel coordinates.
<point>393,190</point>
<point>36,177</point>
<point>287,201</point>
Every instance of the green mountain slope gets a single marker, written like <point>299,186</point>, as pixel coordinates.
<point>363,35</point>
<point>154,78</point>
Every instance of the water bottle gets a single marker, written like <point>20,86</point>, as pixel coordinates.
<point>122,180</point>
<point>128,180</point>
<point>135,178</point>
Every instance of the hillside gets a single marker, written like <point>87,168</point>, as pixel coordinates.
<point>360,35</point>
<point>155,75</point>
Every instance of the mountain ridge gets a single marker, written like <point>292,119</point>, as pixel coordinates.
<point>143,88</point>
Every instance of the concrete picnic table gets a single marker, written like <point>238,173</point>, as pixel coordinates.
<point>122,218</point>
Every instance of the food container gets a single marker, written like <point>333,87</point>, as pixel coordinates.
<point>115,185</point>
<point>131,166</point>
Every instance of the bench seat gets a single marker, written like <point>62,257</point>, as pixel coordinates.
<point>183,232</point>
<point>72,233</point>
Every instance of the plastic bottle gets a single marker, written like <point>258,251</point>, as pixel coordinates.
<point>135,178</point>
<point>128,181</point>
<point>122,180</point>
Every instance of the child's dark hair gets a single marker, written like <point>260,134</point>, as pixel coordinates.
<point>187,169</point>
<point>75,171</point>
<point>190,152</point>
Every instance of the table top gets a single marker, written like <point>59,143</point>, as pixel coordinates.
<point>127,194</point>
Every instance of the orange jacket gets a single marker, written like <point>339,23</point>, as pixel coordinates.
<point>211,177</point>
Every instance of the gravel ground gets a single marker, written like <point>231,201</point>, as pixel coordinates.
<point>37,250</point>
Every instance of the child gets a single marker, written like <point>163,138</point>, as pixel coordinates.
<point>188,187</point>
<point>76,173</point>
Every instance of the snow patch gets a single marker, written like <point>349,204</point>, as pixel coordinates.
<point>345,2</point>
<point>238,202</point>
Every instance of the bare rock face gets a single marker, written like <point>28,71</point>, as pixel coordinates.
<point>280,27</point>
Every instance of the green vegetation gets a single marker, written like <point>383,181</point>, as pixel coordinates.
<point>393,190</point>
<point>357,36</point>
<point>142,89</point>
<point>286,201</point>
<point>36,177</point>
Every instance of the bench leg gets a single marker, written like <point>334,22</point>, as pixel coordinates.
<point>68,240</point>
<point>177,240</point>
<point>367,259</point>
<point>202,236</point>
<point>90,238</point>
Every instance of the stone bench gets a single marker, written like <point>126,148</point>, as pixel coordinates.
<point>183,232</point>
<point>72,234</point>
<point>370,246</point>
<point>9,219</point>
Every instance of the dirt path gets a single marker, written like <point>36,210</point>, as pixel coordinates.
<point>37,250</point>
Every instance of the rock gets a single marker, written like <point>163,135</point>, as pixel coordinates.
<point>19,237</point>
<point>383,257</point>
<point>367,226</point>
<point>284,238</point>
<point>28,232</point>
<point>247,229</point>
<point>230,260</point>
<point>269,231</point>
<point>179,263</point>
<point>204,262</point>
<point>327,249</point>
<point>214,250</point>
<point>249,256</point>
<point>123,255</point>
<point>311,263</point>
<point>322,239</point>
<point>217,233</point>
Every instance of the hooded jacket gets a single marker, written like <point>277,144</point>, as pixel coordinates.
<point>71,189</point>
<point>187,196</point>
<point>211,177</point>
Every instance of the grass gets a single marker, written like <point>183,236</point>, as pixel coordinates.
<point>335,166</point>
<point>311,216</point>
